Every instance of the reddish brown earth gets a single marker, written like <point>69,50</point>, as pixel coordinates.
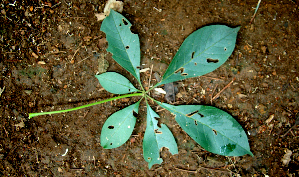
<point>50,54</point>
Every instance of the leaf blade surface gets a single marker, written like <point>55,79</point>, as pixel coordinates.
<point>118,127</point>
<point>115,83</point>
<point>122,43</point>
<point>155,138</point>
<point>213,129</point>
<point>202,52</point>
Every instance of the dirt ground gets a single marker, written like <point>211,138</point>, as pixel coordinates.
<point>51,50</point>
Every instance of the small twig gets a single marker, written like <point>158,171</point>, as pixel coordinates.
<point>6,132</point>
<point>56,5</point>
<point>257,7</point>
<point>75,53</point>
<point>217,95</point>
<point>159,110</point>
<point>51,53</point>
<point>94,161</point>
<point>190,171</point>
<point>84,59</point>
<point>296,123</point>
<point>200,167</point>
<point>213,93</point>
<point>84,115</point>
<point>212,78</point>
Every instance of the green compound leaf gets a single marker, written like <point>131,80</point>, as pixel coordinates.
<point>202,52</point>
<point>118,127</point>
<point>155,138</point>
<point>115,83</point>
<point>123,44</point>
<point>213,129</point>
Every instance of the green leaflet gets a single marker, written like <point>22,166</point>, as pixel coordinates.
<point>116,83</point>
<point>202,52</point>
<point>123,44</point>
<point>118,127</point>
<point>215,130</point>
<point>155,138</point>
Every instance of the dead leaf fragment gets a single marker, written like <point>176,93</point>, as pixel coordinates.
<point>87,38</point>
<point>270,119</point>
<point>102,43</point>
<point>34,55</point>
<point>41,62</point>
<point>144,70</point>
<point>103,64</point>
<point>100,16</point>
<point>111,4</point>
<point>241,96</point>
<point>287,157</point>
<point>264,48</point>
<point>160,90</point>
<point>21,124</point>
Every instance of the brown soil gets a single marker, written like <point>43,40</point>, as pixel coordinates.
<point>50,54</point>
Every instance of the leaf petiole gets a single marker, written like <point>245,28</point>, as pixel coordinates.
<point>84,106</point>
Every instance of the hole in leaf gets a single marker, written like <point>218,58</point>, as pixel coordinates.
<point>201,115</point>
<point>149,158</point>
<point>192,55</point>
<point>184,74</point>
<point>138,67</point>
<point>111,127</point>
<point>125,22</point>
<point>120,24</point>
<point>159,122</point>
<point>111,144</point>
<point>225,49</point>
<point>135,114</point>
<point>157,131</point>
<point>127,47</point>
<point>195,63</point>
<point>129,90</point>
<point>179,70</point>
<point>210,60</point>
<point>195,122</point>
<point>215,132</point>
<point>192,113</point>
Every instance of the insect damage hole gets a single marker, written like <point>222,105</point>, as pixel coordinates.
<point>111,144</point>
<point>195,122</point>
<point>149,158</point>
<point>111,127</point>
<point>184,74</point>
<point>157,131</point>
<point>125,22</point>
<point>225,49</point>
<point>215,132</point>
<point>192,55</point>
<point>195,63</point>
<point>159,122</point>
<point>181,70</point>
<point>201,115</point>
<point>127,47</point>
<point>210,60</point>
<point>192,113</point>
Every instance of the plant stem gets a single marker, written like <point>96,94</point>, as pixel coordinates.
<point>85,106</point>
